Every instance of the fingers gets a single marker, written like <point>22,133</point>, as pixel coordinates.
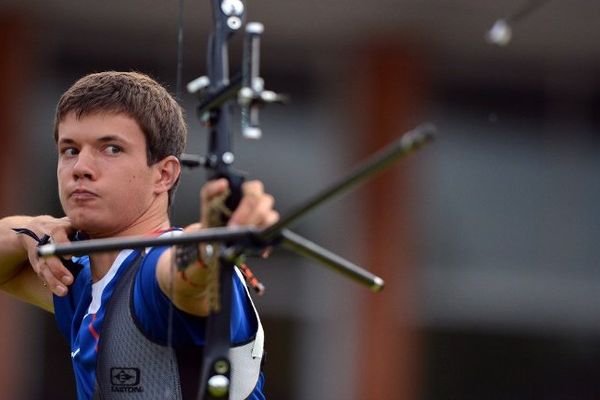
<point>58,237</point>
<point>52,275</point>
<point>193,227</point>
<point>51,271</point>
<point>212,189</point>
<point>255,208</point>
<point>62,276</point>
<point>209,192</point>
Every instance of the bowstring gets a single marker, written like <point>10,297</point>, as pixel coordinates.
<point>179,83</point>
<point>178,94</point>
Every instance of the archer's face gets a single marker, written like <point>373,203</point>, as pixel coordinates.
<point>104,181</point>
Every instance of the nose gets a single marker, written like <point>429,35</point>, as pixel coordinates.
<point>84,166</point>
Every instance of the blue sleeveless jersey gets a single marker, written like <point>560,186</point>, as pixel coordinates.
<point>80,314</point>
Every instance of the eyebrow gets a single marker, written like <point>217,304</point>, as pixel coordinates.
<point>111,138</point>
<point>102,139</point>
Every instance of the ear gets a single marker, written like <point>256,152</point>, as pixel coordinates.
<point>167,172</point>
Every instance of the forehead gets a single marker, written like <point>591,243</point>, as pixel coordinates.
<point>93,126</point>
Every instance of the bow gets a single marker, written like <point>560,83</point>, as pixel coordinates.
<point>217,92</point>
<point>228,17</point>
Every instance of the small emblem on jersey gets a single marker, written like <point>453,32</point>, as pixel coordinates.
<point>125,376</point>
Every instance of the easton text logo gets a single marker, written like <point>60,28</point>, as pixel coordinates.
<point>125,380</point>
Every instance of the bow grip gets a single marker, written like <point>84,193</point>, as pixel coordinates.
<point>235,180</point>
<point>235,186</point>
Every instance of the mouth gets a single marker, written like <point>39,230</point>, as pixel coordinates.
<point>82,194</point>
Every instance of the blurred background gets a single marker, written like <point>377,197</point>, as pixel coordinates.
<point>486,238</point>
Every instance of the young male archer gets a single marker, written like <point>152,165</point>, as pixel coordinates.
<point>119,136</point>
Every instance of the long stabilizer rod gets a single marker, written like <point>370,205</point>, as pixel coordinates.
<point>308,249</point>
<point>405,145</point>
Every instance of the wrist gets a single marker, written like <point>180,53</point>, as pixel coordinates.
<point>191,261</point>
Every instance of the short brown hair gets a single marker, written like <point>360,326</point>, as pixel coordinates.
<point>136,95</point>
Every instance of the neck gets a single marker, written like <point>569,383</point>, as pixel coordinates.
<point>100,263</point>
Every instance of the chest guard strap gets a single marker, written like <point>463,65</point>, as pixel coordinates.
<point>131,366</point>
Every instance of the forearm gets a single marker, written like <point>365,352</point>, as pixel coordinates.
<point>189,288</point>
<point>22,273</point>
<point>186,288</point>
<point>13,255</point>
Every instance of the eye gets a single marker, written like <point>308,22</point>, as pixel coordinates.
<point>113,149</point>
<point>69,151</point>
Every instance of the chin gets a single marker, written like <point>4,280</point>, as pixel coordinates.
<point>95,227</point>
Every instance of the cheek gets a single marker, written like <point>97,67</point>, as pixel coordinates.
<point>137,187</point>
<point>59,179</point>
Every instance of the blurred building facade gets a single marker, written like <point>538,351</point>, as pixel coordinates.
<point>486,238</point>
